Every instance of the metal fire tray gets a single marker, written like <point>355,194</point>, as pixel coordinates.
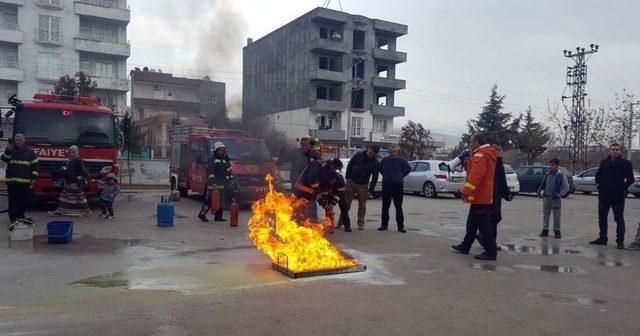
<point>306,274</point>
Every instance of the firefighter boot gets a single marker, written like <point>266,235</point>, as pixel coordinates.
<point>203,213</point>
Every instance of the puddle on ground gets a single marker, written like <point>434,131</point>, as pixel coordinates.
<point>611,263</point>
<point>85,244</point>
<point>540,250</point>
<point>568,299</point>
<point>552,269</point>
<point>212,250</point>
<point>484,267</point>
<point>428,271</point>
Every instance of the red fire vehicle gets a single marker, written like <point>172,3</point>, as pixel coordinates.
<point>52,123</point>
<point>192,145</point>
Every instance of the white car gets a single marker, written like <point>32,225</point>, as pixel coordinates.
<point>512,179</point>
<point>376,191</point>
<point>431,177</point>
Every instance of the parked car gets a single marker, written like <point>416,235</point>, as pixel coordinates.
<point>512,179</point>
<point>586,182</point>
<point>377,191</point>
<point>431,177</point>
<point>530,178</point>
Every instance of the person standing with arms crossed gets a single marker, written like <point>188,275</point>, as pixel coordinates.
<point>613,179</point>
<point>393,169</point>
<point>363,166</point>
<point>22,170</point>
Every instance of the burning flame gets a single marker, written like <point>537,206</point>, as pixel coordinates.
<point>297,246</point>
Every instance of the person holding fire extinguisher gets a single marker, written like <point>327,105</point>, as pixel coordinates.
<point>332,187</point>
<point>219,176</point>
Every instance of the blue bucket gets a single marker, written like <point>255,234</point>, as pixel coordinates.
<point>59,232</point>
<point>165,213</point>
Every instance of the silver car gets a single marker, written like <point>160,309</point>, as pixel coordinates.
<point>431,177</point>
<point>586,182</point>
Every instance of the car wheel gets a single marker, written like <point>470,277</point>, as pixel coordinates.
<point>636,195</point>
<point>183,191</point>
<point>429,190</point>
<point>457,195</point>
<point>586,192</point>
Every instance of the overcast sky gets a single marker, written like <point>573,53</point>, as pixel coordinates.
<point>456,49</point>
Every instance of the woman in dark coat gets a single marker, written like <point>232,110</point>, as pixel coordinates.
<point>72,201</point>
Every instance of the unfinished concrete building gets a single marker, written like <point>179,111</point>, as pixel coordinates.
<point>305,76</point>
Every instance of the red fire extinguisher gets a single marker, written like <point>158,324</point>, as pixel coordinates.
<point>233,213</point>
<point>215,201</point>
<point>331,215</point>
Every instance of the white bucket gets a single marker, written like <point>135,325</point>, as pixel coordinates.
<point>22,232</point>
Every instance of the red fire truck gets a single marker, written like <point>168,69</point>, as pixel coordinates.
<point>192,145</point>
<point>52,123</point>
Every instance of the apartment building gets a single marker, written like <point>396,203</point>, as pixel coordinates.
<point>158,97</point>
<point>310,75</point>
<point>42,40</point>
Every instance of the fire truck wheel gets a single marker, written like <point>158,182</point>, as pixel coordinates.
<point>183,191</point>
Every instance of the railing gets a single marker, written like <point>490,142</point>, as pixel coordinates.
<point>100,38</point>
<point>49,3</point>
<point>105,3</point>
<point>47,36</point>
<point>9,26</point>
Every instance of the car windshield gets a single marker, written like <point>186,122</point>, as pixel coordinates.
<point>64,128</point>
<point>245,150</point>
<point>508,169</point>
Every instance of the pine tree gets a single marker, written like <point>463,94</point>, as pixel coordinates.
<point>81,85</point>
<point>491,121</point>
<point>532,138</point>
<point>415,141</point>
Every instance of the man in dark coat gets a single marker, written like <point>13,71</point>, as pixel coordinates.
<point>362,168</point>
<point>393,169</point>
<point>613,178</point>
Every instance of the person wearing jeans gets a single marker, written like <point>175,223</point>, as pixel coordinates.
<point>393,169</point>
<point>554,186</point>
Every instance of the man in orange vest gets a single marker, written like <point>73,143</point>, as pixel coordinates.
<point>478,192</point>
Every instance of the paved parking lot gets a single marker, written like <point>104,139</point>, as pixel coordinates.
<point>127,277</point>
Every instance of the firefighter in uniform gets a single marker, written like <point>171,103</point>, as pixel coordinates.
<point>219,176</point>
<point>22,170</point>
<point>332,187</point>
<point>478,192</point>
<point>307,187</point>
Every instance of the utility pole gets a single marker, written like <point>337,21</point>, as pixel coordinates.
<point>576,80</point>
<point>356,84</point>
<point>631,129</point>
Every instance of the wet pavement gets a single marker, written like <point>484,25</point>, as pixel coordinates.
<point>128,277</point>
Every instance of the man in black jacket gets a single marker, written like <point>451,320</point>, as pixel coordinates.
<point>363,166</point>
<point>500,191</point>
<point>22,170</point>
<point>613,178</point>
<point>393,169</point>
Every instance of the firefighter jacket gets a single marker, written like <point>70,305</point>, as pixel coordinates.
<point>332,187</point>
<point>481,167</point>
<point>308,184</point>
<point>22,165</point>
<point>218,172</point>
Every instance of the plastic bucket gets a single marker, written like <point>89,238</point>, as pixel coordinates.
<point>22,232</point>
<point>59,232</point>
<point>165,213</point>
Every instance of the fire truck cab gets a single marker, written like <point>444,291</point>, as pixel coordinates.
<point>191,146</point>
<point>51,123</point>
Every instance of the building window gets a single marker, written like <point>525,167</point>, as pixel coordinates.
<point>45,88</point>
<point>382,71</point>
<point>49,28</point>
<point>6,91</point>
<point>328,92</point>
<point>328,63</point>
<point>8,57</point>
<point>356,126</point>
<point>211,99</point>
<point>357,98</point>
<point>99,32</point>
<point>9,18</point>
<point>357,70</point>
<point>324,122</point>
<point>381,126</point>
<point>358,40</point>
<point>333,34</point>
<point>49,66</point>
<point>381,99</point>
<point>383,44</point>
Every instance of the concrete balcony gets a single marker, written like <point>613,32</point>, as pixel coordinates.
<point>328,76</point>
<point>328,105</point>
<point>48,38</point>
<point>50,4</point>
<point>385,137</point>
<point>392,28</point>
<point>390,55</point>
<point>329,46</point>
<point>13,2</point>
<point>388,83</point>
<point>93,44</point>
<point>387,111</point>
<point>11,33</point>
<point>115,84</point>
<point>11,73</point>
<point>328,15</point>
<point>328,135</point>
<point>103,9</point>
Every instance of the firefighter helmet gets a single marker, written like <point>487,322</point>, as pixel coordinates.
<point>218,145</point>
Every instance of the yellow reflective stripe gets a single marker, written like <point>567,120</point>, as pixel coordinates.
<point>341,189</point>
<point>211,176</point>
<point>18,179</point>
<point>470,186</point>
<point>34,161</point>
<point>20,162</point>
<point>471,198</point>
<point>336,198</point>
<point>217,161</point>
<point>34,173</point>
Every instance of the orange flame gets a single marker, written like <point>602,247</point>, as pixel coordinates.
<point>298,246</point>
